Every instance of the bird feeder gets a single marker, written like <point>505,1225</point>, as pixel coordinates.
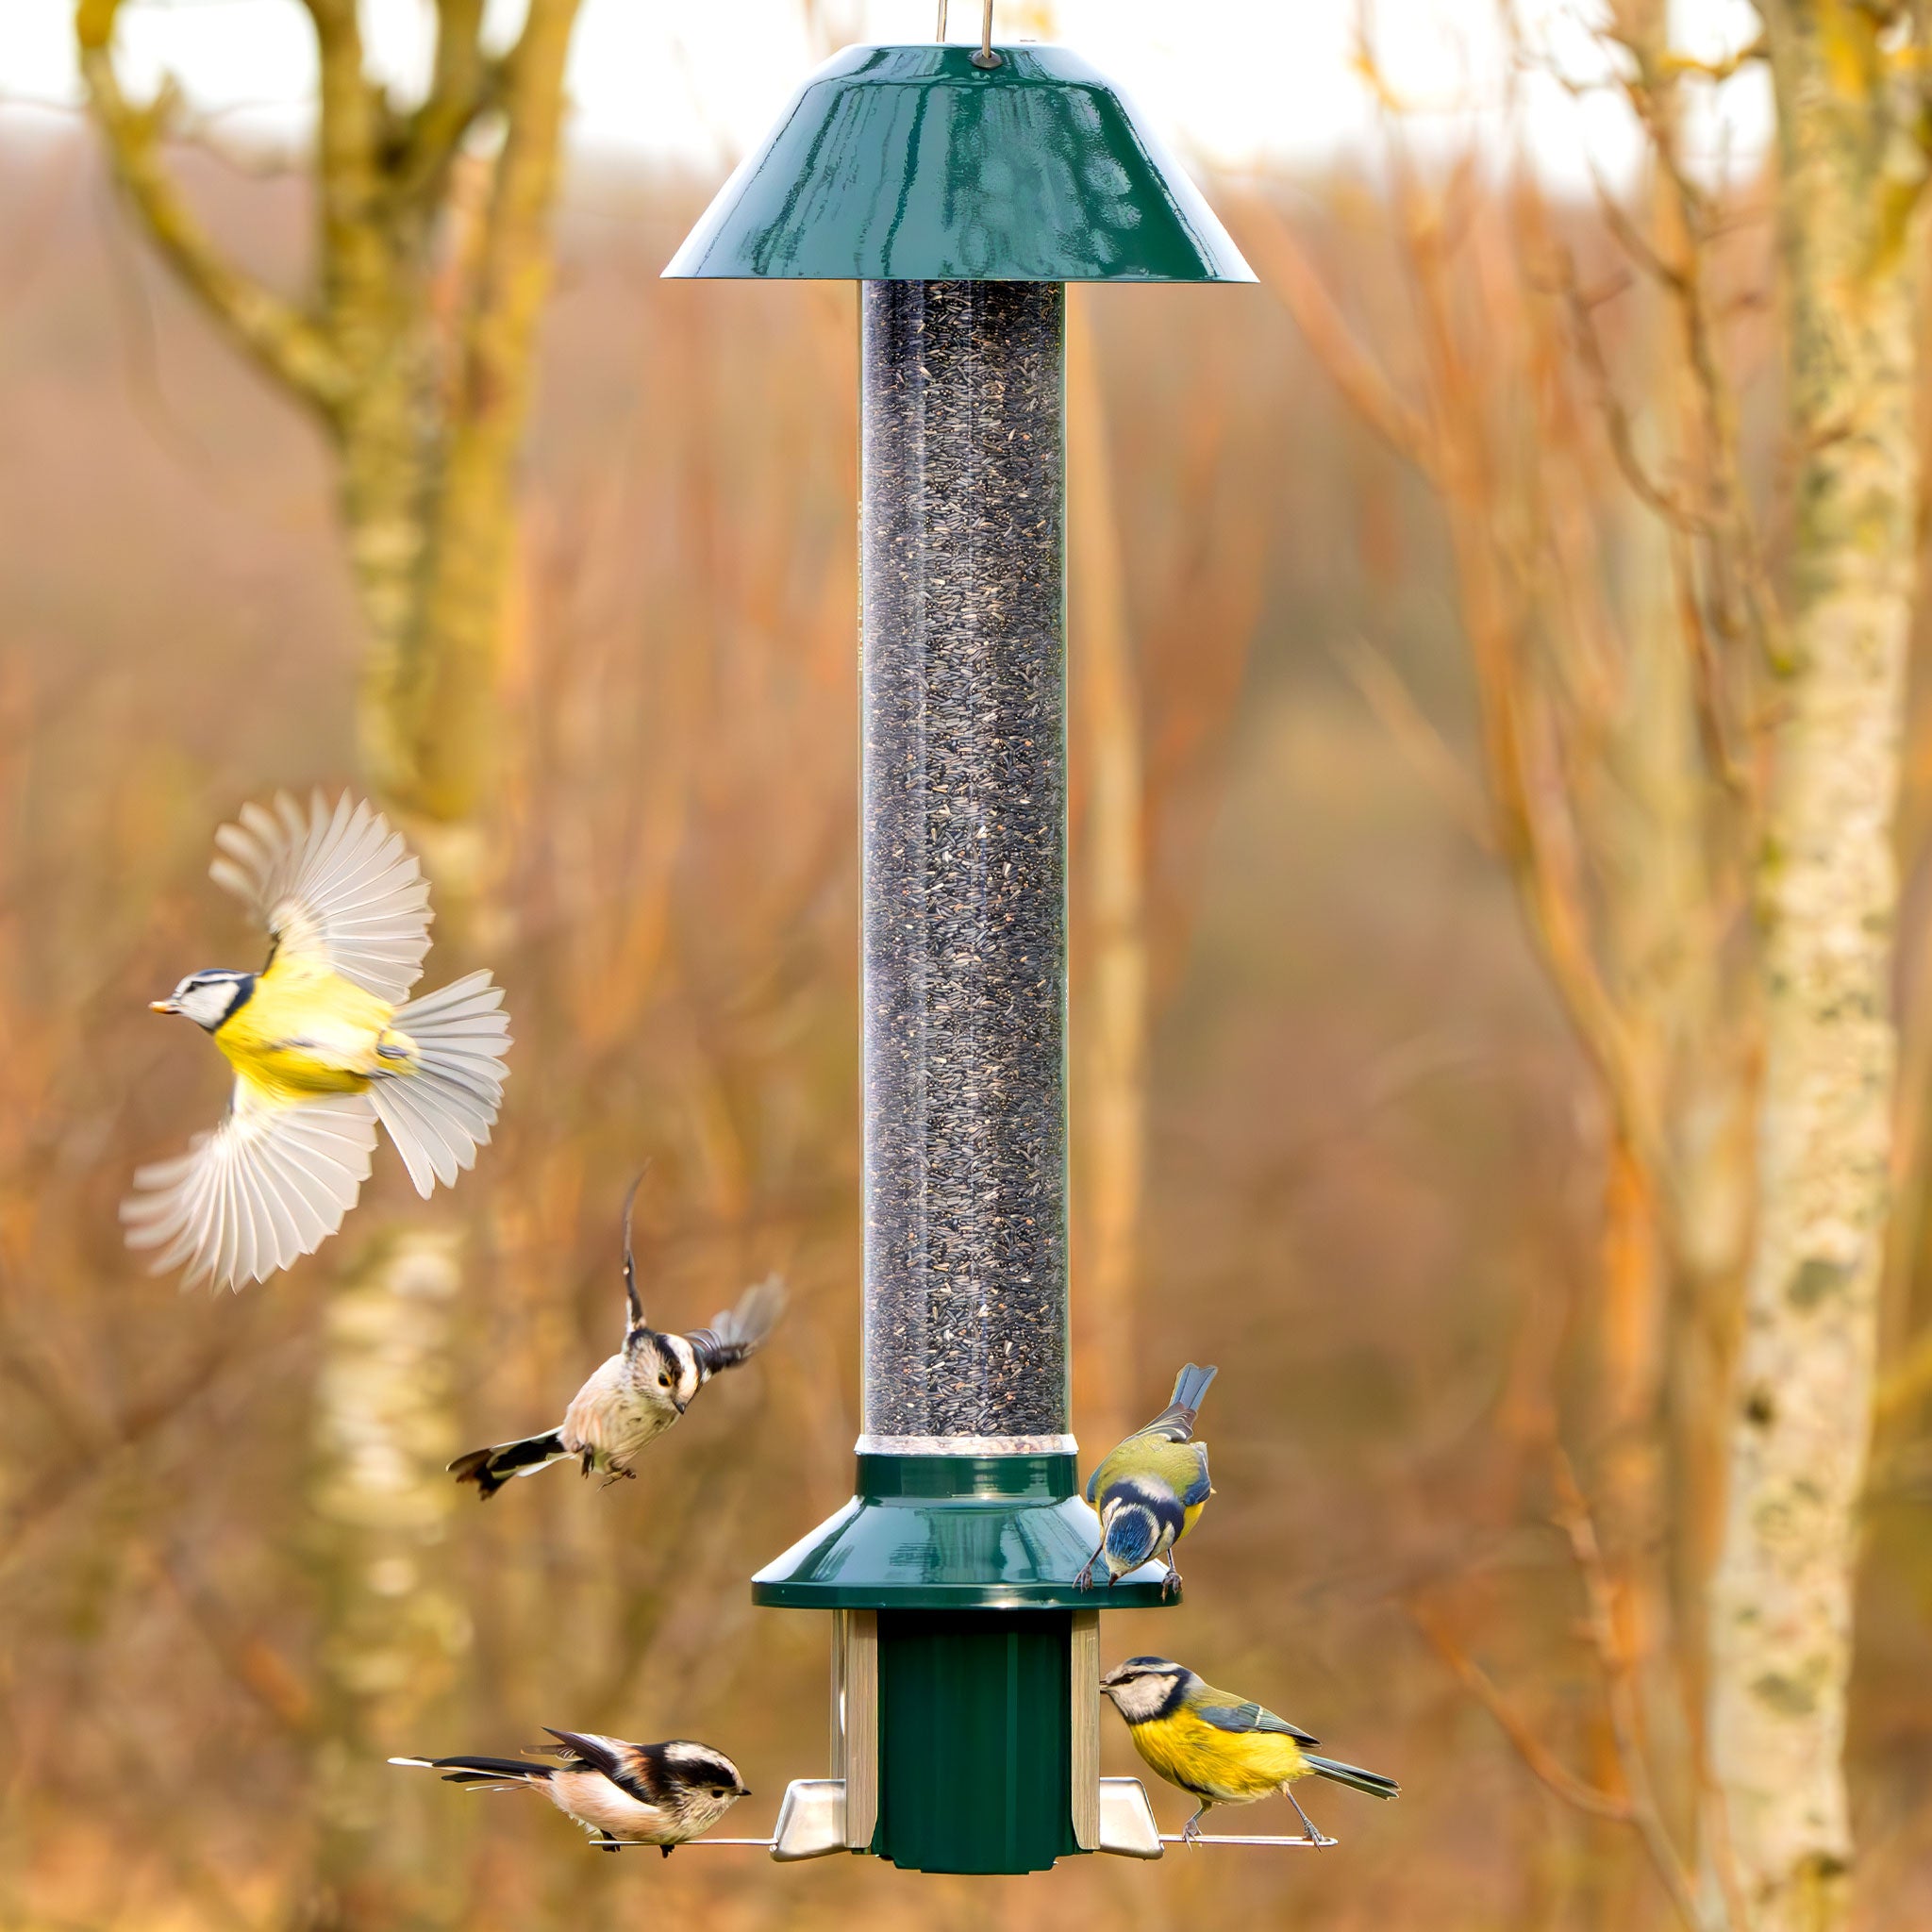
<point>963,188</point>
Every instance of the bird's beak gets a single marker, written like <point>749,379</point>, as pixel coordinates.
<point>679,1406</point>
<point>745,1791</point>
<point>162,1007</point>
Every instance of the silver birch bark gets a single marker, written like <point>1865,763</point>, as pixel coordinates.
<point>1782,1598</point>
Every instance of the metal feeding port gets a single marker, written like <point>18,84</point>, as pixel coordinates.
<point>965,1656</point>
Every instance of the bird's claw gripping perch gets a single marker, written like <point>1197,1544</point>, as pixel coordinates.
<point>1309,1831</point>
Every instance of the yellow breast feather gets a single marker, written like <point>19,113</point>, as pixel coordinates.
<point>305,1032</point>
<point>1232,1766</point>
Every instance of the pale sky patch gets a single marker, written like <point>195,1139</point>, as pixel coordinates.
<point>1233,83</point>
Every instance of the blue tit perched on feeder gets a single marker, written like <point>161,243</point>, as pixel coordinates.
<point>1151,1489</point>
<point>638,1392</point>
<point>1221,1748</point>
<point>621,1794</point>
<point>323,1048</point>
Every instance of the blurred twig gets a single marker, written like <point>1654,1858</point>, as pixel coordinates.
<point>1620,1692</point>
<point>1528,1746</point>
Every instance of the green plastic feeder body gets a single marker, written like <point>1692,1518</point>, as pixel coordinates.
<point>965,1655</point>
<point>913,165</point>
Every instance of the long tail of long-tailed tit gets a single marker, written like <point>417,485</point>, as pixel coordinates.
<point>490,1469</point>
<point>490,1774</point>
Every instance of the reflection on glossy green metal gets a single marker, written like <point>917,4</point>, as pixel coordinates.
<point>911,164</point>
<point>953,1532</point>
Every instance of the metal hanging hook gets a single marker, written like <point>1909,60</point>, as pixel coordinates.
<point>984,56</point>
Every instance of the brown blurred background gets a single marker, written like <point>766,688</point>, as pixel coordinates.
<point>1373,1162</point>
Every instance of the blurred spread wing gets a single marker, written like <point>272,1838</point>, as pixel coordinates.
<point>740,1331</point>
<point>1250,1717</point>
<point>336,890</point>
<point>270,1184</point>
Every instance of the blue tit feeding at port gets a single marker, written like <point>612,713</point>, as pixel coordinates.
<point>1151,1490</point>
<point>1221,1748</point>
<point>638,1392</point>
<point>621,1794</point>
<point>323,1048</point>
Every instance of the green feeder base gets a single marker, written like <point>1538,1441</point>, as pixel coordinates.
<point>966,1659</point>
<point>976,1739</point>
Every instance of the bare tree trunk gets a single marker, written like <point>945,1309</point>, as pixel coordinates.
<point>414,352</point>
<point>395,1632</point>
<point>1782,1598</point>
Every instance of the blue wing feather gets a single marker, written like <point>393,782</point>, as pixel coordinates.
<point>1250,1717</point>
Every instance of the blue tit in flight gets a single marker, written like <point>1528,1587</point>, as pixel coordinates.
<point>638,1392</point>
<point>621,1794</point>
<point>1217,1747</point>
<point>323,1048</point>
<point>1150,1491</point>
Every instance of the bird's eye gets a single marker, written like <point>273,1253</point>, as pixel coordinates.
<point>663,1381</point>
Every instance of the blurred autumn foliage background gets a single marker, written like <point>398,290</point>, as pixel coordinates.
<point>1349,1122</point>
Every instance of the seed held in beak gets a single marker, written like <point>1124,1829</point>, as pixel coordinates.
<point>162,1006</point>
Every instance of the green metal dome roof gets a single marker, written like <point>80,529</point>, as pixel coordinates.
<point>912,163</point>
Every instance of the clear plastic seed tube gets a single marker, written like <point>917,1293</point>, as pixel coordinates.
<point>964,803</point>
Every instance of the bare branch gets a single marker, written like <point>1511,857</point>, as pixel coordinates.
<point>1620,1693</point>
<point>1532,834</point>
<point>1736,550</point>
<point>1658,496</point>
<point>1395,709</point>
<point>1534,1754</point>
<point>515,254</point>
<point>444,702</point>
<point>280,338</point>
<point>254,1664</point>
<point>1906,1384</point>
<point>461,87</point>
<point>1717,72</point>
<point>1353,369</point>
<point>356,267</point>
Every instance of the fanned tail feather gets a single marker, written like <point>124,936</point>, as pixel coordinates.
<point>1176,1421</point>
<point>439,1109</point>
<point>1356,1779</point>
